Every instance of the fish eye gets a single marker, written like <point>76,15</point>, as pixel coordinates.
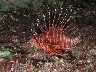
<point>46,41</point>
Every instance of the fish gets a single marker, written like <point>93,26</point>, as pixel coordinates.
<point>54,41</point>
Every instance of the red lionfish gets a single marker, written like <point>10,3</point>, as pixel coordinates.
<point>54,38</point>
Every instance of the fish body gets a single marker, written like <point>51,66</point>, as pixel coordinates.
<point>54,41</point>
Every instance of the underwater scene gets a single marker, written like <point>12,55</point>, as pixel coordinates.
<point>47,35</point>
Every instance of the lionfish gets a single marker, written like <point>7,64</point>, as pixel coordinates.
<point>54,37</point>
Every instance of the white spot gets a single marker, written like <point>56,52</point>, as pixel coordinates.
<point>61,8</point>
<point>55,70</point>
<point>37,19</point>
<point>48,7</point>
<point>66,14</point>
<point>43,15</point>
<point>31,29</point>
<point>59,14</point>
<point>66,9</point>
<point>37,24</point>
<point>23,32</point>
<point>49,12</point>
<point>12,69</point>
<point>55,9</point>
<point>88,61</point>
